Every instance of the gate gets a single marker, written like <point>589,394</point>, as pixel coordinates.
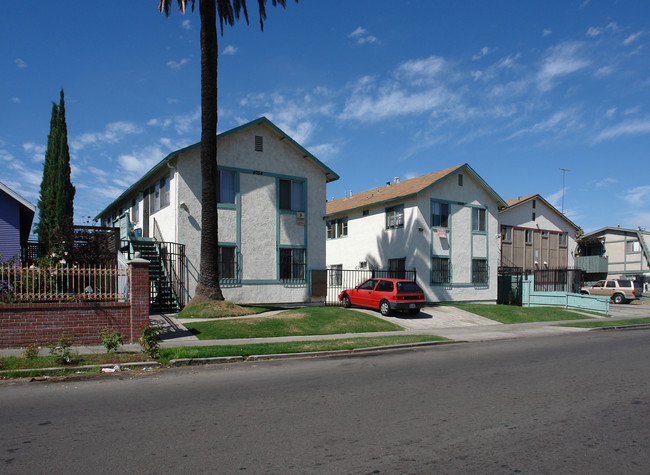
<point>509,285</point>
<point>558,280</point>
<point>339,279</point>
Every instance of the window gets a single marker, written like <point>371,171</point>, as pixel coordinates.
<point>292,264</point>
<point>632,246</point>
<point>385,286</point>
<point>478,219</point>
<point>544,234</point>
<point>440,270</point>
<point>534,203</point>
<point>365,212</point>
<point>479,271</point>
<point>506,233</point>
<point>397,268</point>
<point>529,236</point>
<point>337,228</point>
<point>395,217</point>
<point>440,217</point>
<point>225,186</point>
<point>460,179</point>
<point>533,216</point>
<point>227,262</point>
<point>291,195</point>
<point>563,240</point>
<point>159,194</point>
<point>135,210</point>
<point>368,285</point>
<point>336,274</point>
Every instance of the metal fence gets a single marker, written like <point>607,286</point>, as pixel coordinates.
<point>558,280</point>
<point>509,287</point>
<point>339,279</point>
<point>63,284</point>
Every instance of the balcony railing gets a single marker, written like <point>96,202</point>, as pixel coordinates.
<point>592,264</point>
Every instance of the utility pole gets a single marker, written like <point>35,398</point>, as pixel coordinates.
<point>563,170</point>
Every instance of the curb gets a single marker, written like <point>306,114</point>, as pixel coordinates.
<point>305,354</point>
<point>135,365</point>
<point>623,327</point>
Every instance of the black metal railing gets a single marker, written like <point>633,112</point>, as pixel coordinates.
<point>341,279</point>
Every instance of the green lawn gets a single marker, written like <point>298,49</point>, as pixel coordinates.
<point>303,321</point>
<point>222,309</point>
<point>514,314</point>
<point>167,354</point>
<point>608,323</point>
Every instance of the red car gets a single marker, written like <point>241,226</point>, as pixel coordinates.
<point>386,295</point>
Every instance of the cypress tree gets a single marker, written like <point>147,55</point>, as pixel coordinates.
<point>55,204</point>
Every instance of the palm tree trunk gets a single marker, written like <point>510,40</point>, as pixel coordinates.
<point>208,285</point>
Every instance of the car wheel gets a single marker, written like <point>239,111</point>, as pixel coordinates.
<point>618,298</point>
<point>384,308</point>
<point>345,300</point>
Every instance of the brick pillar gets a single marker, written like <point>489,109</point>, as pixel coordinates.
<point>138,296</point>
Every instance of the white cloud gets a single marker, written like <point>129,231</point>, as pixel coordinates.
<point>560,121</point>
<point>20,64</point>
<point>324,151</point>
<point>421,69</point>
<point>610,113</point>
<point>230,50</point>
<point>113,133</point>
<point>37,151</point>
<point>15,100</point>
<point>186,25</point>
<point>482,53</point>
<point>594,31</point>
<point>606,182</point>
<point>362,36</point>
<point>546,32</point>
<point>390,103</point>
<point>185,122</point>
<point>560,61</point>
<point>176,65</point>
<point>556,198</point>
<point>5,156</point>
<point>632,38</point>
<point>638,196</point>
<point>605,71</point>
<point>628,127</point>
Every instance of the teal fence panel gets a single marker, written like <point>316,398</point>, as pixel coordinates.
<point>531,298</point>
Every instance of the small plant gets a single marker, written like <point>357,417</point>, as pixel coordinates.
<point>62,349</point>
<point>110,339</point>
<point>31,352</point>
<point>149,340</point>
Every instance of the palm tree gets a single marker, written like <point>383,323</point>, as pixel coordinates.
<point>229,11</point>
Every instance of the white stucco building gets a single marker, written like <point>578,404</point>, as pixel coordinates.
<point>271,205</point>
<point>443,224</point>
<point>535,235</point>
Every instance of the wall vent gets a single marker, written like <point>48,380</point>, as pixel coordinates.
<point>259,143</point>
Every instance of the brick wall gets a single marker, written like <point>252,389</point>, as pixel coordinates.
<point>41,323</point>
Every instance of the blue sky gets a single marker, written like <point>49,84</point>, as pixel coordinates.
<point>517,89</point>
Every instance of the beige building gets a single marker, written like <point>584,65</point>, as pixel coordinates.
<point>535,235</point>
<point>615,253</point>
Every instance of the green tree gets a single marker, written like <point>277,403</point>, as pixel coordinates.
<point>228,10</point>
<point>56,200</point>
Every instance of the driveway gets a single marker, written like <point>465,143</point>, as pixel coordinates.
<point>629,310</point>
<point>435,317</point>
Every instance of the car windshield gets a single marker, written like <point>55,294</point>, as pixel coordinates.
<point>408,288</point>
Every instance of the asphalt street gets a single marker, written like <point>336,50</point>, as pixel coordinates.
<point>575,403</point>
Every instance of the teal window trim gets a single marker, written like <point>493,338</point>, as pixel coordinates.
<point>332,228</point>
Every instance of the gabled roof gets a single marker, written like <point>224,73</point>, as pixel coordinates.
<point>23,202</point>
<point>512,203</point>
<point>329,174</point>
<point>403,189</point>
<point>604,230</point>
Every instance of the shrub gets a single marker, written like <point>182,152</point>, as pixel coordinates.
<point>149,340</point>
<point>31,352</point>
<point>62,349</point>
<point>110,339</point>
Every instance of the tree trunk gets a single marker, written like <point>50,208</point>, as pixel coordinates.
<point>208,285</point>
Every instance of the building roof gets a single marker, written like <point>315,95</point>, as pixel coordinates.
<point>329,174</point>
<point>601,231</point>
<point>403,189</point>
<point>23,202</point>
<point>524,199</point>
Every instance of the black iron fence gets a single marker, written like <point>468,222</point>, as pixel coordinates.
<point>558,280</point>
<point>509,285</point>
<point>339,279</point>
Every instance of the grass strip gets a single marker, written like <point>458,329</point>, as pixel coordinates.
<point>512,314</point>
<point>19,362</point>
<point>608,323</point>
<point>222,309</point>
<point>298,322</point>
<point>167,354</point>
